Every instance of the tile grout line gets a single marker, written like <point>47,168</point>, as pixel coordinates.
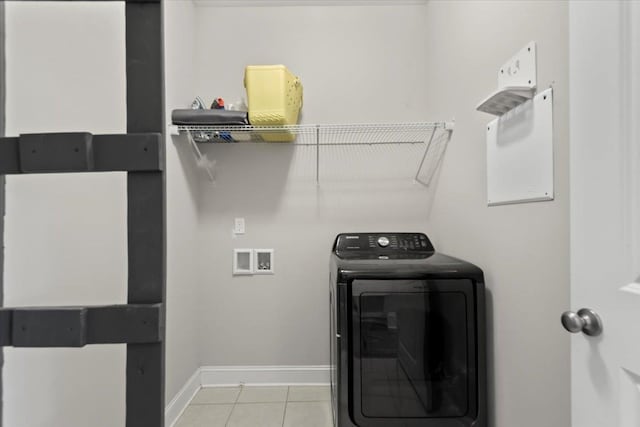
<point>286,402</point>
<point>233,407</point>
<point>212,404</point>
<point>236,402</point>
<point>239,393</point>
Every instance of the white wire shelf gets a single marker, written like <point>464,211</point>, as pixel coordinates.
<point>433,135</point>
<point>389,133</point>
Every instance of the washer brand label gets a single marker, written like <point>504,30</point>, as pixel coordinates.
<point>352,237</point>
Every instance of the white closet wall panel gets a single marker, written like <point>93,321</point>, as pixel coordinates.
<point>65,235</point>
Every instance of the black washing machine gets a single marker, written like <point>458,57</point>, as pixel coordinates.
<point>407,334</point>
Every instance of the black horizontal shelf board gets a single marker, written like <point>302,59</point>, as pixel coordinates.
<point>79,326</point>
<point>81,152</point>
<point>49,327</point>
<point>56,152</point>
<point>133,152</point>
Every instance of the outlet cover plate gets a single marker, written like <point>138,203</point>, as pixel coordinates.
<point>238,226</point>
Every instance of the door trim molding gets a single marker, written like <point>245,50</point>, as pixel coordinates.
<point>628,70</point>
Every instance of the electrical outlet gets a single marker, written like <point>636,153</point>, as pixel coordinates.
<point>238,226</point>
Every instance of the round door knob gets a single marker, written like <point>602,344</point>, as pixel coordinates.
<point>585,320</point>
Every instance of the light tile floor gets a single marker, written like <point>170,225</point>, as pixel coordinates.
<point>259,406</point>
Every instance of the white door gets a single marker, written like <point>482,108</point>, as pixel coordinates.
<point>605,209</point>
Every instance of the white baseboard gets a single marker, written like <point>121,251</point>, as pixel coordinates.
<point>263,375</point>
<point>212,376</point>
<point>179,403</point>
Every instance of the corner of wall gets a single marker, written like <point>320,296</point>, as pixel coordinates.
<point>183,275</point>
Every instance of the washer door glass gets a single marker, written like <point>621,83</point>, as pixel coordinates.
<point>414,354</point>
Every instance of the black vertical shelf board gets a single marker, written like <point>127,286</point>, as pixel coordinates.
<point>146,211</point>
<point>3,104</point>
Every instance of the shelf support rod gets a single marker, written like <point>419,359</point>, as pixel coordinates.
<point>317,155</point>
<point>201,159</point>
<point>424,156</point>
<point>449,132</point>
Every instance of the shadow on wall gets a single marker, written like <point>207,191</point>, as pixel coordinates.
<point>516,124</point>
<point>187,164</point>
<point>250,174</point>
<point>354,182</point>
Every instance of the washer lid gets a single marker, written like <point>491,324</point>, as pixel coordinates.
<point>383,246</point>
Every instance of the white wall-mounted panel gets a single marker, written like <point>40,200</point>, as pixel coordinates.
<point>520,153</point>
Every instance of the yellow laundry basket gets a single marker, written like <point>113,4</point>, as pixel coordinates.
<point>274,96</point>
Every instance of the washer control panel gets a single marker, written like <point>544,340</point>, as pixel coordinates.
<point>383,245</point>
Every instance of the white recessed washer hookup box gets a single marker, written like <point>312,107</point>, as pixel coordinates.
<point>263,261</point>
<point>242,261</point>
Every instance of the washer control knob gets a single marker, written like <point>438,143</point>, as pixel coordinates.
<point>383,242</point>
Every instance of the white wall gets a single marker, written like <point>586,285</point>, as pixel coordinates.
<point>524,249</point>
<point>431,62</point>
<point>65,235</point>
<point>183,274</point>
<point>356,64</point>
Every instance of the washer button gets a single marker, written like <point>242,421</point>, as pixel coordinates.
<point>383,242</point>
